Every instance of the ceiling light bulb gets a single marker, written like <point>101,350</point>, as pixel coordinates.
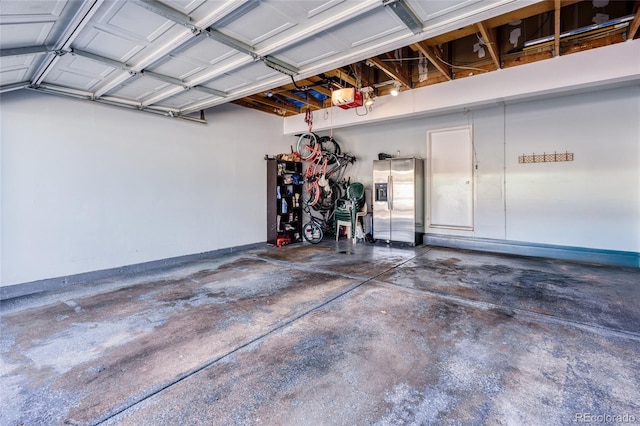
<point>396,88</point>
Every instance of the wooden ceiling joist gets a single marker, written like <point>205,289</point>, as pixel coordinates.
<point>312,102</point>
<point>489,37</point>
<point>391,72</point>
<point>343,76</point>
<point>311,83</point>
<point>430,53</point>
<point>260,107</point>
<point>633,28</point>
<point>284,100</point>
<point>268,102</point>
<point>526,12</point>
<point>556,18</point>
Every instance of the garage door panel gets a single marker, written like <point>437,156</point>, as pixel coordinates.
<point>186,7</point>
<point>12,76</point>
<point>311,50</point>
<point>139,24</point>
<point>262,23</point>
<point>210,52</point>
<point>110,46</point>
<point>139,88</point>
<point>78,72</point>
<point>374,25</point>
<point>67,77</point>
<point>183,99</point>
<point>21,35</point>
<point>228,83</point>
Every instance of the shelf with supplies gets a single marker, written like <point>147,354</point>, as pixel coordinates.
<point>284,202</point>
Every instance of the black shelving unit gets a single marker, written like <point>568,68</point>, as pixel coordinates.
<point>284,202</point>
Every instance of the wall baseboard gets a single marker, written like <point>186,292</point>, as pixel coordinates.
<point>48,284</point>
<point>578,254</point>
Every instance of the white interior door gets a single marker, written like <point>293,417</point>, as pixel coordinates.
<point>450,153</point>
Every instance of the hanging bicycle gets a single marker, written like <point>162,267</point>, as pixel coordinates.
<point>325,170</point>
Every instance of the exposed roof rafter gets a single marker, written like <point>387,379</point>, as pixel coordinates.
<point>489,37</point>
<point>433,55</point>
<point>556,28</point>
<point>635,24</point>
<point>391,72</point>
<point>269,102</point>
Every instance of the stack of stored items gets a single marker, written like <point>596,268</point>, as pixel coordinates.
<point>347,208</point>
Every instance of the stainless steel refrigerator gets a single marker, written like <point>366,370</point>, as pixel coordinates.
<point>398,206</point>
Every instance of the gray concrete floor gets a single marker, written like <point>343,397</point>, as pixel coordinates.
<point>334,334</point>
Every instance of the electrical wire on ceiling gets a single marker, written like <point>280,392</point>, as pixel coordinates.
<point>461,66</point>
<point>447,63</point>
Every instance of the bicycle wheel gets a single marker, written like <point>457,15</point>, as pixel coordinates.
<point>329,145</point>
<point>306,145</point>
<point>311,193</point>
<point>312,232</point>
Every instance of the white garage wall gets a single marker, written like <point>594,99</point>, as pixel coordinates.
<point>87,187</point>
<point>592,202</point>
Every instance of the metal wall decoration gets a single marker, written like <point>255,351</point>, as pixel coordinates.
<point>546,158</point>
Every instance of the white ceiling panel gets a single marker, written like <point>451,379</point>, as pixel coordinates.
<point>187,7</point>
<point>34,23</point>
<point>312,50</point>
<point>16,69</point>
<point>378,24</point>
<point>13,75</point>
<point>27,34</point>
<point>139,88</point>
<point>88,73</point>
<point>316,8</point>
<point>294,21</point>
<point>111,46</point>
<point>210,52</point>
<point>262,23</point>
<point>256,71</point>
<point>14,62</point>
<point>432,11</point>
<point>86,66</point>
<point>183,99</point>
<point>179,67</point>
<point>137,23</point>
<point>126,32</point>
<point>228,83</point>
<point>34,10</point>
<point>67,77</point>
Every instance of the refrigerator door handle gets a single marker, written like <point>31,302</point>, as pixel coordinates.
<point>390,192</point>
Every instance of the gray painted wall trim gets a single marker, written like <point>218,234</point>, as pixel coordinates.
<point>578,254</point>
<point>48,284</point>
